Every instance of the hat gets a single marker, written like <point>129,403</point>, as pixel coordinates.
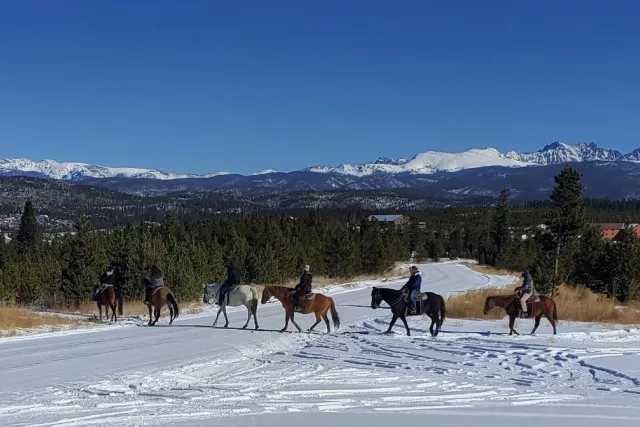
<point>306,267</point>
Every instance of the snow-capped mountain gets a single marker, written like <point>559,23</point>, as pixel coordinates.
<point>426,163</point>
<point>72,171</point>
<point>431,162</point>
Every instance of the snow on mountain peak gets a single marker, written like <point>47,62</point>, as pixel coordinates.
<point>428,162</point>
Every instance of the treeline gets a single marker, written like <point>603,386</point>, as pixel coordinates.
<point>270,248</point>
<point>266,248</point>
<point>571,248</point>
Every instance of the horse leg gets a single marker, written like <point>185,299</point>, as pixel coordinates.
<point>294,322</point>
<point>512,321</point>
<point>286,321</point>
<point>114,318</point>
<point>318,320</point>
<point>224,311</point>
<point>404,320</point>
<point>150,315</point>
<point>326,321</point>
<point>248,316</point>
<point>217,315</point>
<point>157,316</point>
<point>433,334</point>
<point>537,323</point>
<point>550,319</point>
<point>393,322</point>
<point>254,311</point>
<point>100,311</point>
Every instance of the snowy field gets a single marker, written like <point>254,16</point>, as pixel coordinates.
<point>196,375</point>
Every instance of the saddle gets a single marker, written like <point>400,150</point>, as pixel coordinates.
<point>422,296</point>
<point>153,292</point>
<point>303,300</point>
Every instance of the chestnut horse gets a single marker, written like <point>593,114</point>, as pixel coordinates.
<point>110,297</point>
<point>160,297</point>
<point>317,304</point>
<point>511,304</point>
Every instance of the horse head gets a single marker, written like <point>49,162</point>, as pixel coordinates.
<point>488,305</point>
<point>266,294</point>
<point>376,298</point>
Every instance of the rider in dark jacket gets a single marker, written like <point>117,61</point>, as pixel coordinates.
<point>303,287</point>
<point>233,278</point>
<point>413,286</point>
<point>106,279</point>
<point>155,280</point>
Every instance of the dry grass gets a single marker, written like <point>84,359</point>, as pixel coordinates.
<point>485,269</point>
<point>136,308</point>
<point>574,303</point>
<point>14,318</point>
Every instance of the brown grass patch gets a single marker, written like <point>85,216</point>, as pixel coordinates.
<point>137,308</point>
<point>574,304</point>
<point>485,269</point>
<point>14,318</point>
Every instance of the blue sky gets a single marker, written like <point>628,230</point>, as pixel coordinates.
<point>201,86</point>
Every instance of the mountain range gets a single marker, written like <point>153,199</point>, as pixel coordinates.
<point>473,173</point>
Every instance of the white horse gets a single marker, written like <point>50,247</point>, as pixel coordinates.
<point>238,295</point>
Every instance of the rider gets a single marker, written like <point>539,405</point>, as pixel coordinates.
<point>233,278</point>
<point>525,291</point>
<point>155,280</point>
<point>106,279</point>
<point>303,288</point>
<point>413,286</point>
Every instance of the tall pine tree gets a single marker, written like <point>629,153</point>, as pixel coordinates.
<point>28,235</point>
<point>500,233</point>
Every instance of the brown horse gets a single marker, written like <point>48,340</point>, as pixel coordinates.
<point>109,297</point>
<point>317,304</point>
<point>537,307</point>
<point>160,297</point>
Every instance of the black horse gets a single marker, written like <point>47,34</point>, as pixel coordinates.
<point>427,303</point>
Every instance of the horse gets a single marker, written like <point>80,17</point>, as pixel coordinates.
<point>109,297</point>
<point>160,297</point>
<point>317,304</point>
<point>538,306</point>
<point>238,295</point>
<point>428,303</point>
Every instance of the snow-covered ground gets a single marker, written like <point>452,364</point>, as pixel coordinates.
<point>195,375</point>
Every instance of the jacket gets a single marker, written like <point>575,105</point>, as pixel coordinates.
<point>414,283</point>
<point>157,277</point>
<point>233,277</point>
<point>108,279</point>
<point>527,286</point>
<point>304,287</point>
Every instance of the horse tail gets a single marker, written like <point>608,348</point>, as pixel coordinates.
<point>174,303</point>
<point>120,302</point>
<point>334,315</point>
<point>443,310</point>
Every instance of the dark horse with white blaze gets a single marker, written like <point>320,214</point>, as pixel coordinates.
<point>428,303</point>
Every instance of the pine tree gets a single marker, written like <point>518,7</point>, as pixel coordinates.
<point>28,235</point>
<point>500,233</point>
<point>591,253</point>
<point>624,265</point>
<point>566,222</point>
<point>568,219</point>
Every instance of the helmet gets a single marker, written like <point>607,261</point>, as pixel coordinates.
<point>525,273</point>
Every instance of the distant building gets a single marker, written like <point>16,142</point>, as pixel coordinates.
<point>610,230</point>
<point>395,219</point>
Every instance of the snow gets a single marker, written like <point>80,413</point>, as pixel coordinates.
<point>76,170</point>
<point>428,162</point>
<point>195,375</point>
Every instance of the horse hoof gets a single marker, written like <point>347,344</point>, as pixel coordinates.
<point>226,326</point>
